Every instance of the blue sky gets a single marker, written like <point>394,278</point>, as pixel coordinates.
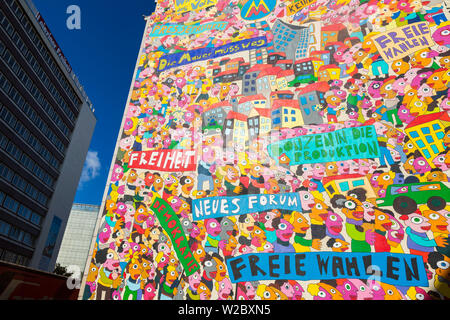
<point>103,55</point>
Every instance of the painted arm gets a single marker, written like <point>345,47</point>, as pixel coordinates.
<point>425,242</point>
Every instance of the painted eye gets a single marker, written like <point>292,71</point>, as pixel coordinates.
<point>332,291</point>
<point>350,205</point>
<point>348,287</point>
<point>110,255</point>
<point>417,220</point>
<point>213,225</point>
<point>390,292</point>
<point>299,220</point>
<point>421,162</point>
<point>434,216</point>
<point>420,296</point>
<point>319,206</point>
<point>322,294</point>
<point>443,265</point>
<point>333,217</point>
<point>381,217</point>
<point>337,245</point>
<point>282,226</point>
<point>386,177</point>
<point>266,294</point>
<point>208,263</point>
<point>362,288</point>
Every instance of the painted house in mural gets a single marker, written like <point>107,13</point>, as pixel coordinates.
<point>236,128</point>
<point>286,114</point>
<point>259,122</point>
<point>310,99</point>
<point>216,114</point>
<point>288,38</point>
<point>427,132</point>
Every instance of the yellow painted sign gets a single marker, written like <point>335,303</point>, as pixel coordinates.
<point>297,6</point>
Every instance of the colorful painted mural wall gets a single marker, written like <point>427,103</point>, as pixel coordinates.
<point>282,150</point>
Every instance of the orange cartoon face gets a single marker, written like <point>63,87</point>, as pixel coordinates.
<point>421,59</point>
<point>319,211</point>
<point>299,222</point>
<point>338,245</point>
<point>93,272</point>
<point>437,80</point>
<point>203,291</point>
<point>391,292</point>
<point>382,221</point>
<point>270,293</point>
<point>438,222</point>
<point>385,179</point>
<point>331,169</point>
<point>400,66</point>
<point>351,207</point>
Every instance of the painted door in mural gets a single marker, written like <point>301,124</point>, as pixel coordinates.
<point>282,150</point>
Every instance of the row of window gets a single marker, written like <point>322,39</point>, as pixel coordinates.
<point>33,116</point>
<point>15,179</point>
<point>22,157</point>
<point>32,61</point>
<point>16,234</point>
<point>21,210</point>
<point>12,257</point>
<point>44,52</point>
<point>26,81</point>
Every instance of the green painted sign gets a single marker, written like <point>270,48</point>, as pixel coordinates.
<point>172,225</point>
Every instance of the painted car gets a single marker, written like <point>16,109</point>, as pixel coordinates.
<point>405,197</point>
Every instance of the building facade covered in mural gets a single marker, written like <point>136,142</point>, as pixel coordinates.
<point>293,150</point>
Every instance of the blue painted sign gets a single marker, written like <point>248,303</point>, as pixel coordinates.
<point>257,9</point>
<point>393,268</point>
<point>339,145</point>
<point>216,207</point>
<point>187,57</point>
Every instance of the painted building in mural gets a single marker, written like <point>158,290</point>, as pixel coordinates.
<point>298,151</point>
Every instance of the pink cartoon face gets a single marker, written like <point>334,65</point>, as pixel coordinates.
<point>105,233</point>
<point>149,291</point>
<point>421,165</point>
<point>225,288</point>
<point>348,290</point>
<point>417,223</point>
<point>194,280</point>
<point>307,200</point>
<point>363,290</point>
<point>117,173</point>
<point>377,290</point>
<point>213,227</point>
<point>334,224</point>
<point>343,167</point>
<point>439,161</point>
<point>284,230</point>
<point>442,35</point>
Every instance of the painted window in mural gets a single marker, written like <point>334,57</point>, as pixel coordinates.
<point>294,150</point>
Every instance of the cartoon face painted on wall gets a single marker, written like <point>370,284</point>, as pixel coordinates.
<point>228,93</point>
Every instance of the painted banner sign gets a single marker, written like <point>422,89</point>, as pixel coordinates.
<point>192,5</point>
<point>164,160</point>
<point>172,225</point>
<point>394,268</point>
<point>297,6</point>
<point>179,29</point>
<point>215,207</point>
<point>401,42</point>
<point>183,58</point>
<point>257,9</point>
<point>339,145</point>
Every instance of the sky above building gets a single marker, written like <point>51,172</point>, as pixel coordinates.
<point>103,54</point>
